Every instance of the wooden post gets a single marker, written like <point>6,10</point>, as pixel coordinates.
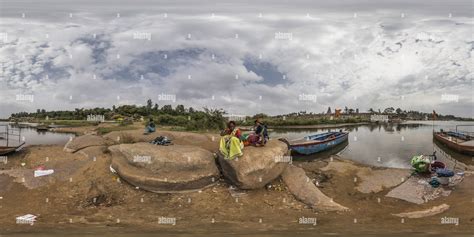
<point>7,134</point>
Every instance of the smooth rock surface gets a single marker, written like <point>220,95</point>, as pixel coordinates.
<point>370,179</point>
<point>257,166</point>
<point>304,190</point>
<point>207,141</point>
<point>164,169</point>
<point>81,142</point>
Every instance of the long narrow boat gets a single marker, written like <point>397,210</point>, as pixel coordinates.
<point>5,150</point>
<point>459,142</point>
<point>318,142</point>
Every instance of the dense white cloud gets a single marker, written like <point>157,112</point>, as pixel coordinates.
<point>235,59</point>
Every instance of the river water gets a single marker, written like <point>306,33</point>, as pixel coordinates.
<point>31,136</point>
<point>386,145</point>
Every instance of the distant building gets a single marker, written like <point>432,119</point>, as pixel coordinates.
<point>379,118</point>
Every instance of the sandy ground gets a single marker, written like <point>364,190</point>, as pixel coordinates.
<point>83,195</point>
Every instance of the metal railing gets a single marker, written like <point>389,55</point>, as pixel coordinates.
<point>469,133</point>
<point>10,134</point>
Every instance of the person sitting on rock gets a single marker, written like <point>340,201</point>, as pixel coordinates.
<point>260,135</point>
<point>261,132</point>
<point>150,127</point>
<point>230,144</point>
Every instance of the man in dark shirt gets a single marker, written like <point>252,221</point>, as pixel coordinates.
<point>261,131</point>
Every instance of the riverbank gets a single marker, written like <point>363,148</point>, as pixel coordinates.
<point>83,195</point>
<point>101,128</point>
<point>316,126</point>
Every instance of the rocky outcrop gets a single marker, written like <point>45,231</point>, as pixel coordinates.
<point>257,167</point>
<point>93,152</point>
<point>164,169</point>
<point>304,190</point>
<point>369,179</point>
<point>424,213</point>
<point>81,142</point>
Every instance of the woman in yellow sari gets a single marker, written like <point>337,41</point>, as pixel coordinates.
<point>230,145</point>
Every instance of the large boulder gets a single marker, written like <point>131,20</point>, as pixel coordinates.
<point>81,142</point>
<point>257,166</point>
<point>207,141</point>
<point>301,186</point>
<point>164,169</point>
<point>93,152</point>
<point>371,179</point>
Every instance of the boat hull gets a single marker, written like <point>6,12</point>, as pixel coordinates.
<point>316,147</point>
<point>458,147</point>
<point>5,150</point>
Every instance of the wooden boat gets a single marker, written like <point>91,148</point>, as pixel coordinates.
<point>318,142</point>
<point>5,150</point>
<point>457,141</point>
<point>42,128</point>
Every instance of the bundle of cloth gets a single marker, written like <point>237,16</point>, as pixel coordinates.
<point>161,140</point>
<point>425,165</point>
<point>421,163</point>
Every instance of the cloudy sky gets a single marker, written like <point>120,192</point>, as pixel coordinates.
<point>247,57</point>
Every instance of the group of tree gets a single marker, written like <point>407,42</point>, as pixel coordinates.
<point>188,118</point>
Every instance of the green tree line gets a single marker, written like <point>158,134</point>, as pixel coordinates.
<point>188,118</point>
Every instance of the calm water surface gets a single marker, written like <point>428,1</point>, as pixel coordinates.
<point>387,145</point>
<point>32,137</point>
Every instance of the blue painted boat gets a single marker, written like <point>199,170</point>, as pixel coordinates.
<point>318,142</point>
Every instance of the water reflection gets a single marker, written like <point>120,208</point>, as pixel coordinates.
<point>33,137</point>
<point>388,145</point>
<point>321,155</point>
